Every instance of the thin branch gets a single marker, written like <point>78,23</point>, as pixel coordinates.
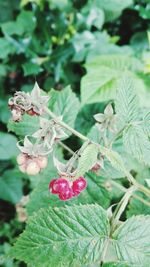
<point>123,189</point>
<point>131,179</point>
<point>121,207</point>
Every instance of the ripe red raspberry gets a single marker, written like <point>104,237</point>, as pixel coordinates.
<point>68,194</point>
<point>79,185</point>
<point>61,185</point>
<point>51,189</point>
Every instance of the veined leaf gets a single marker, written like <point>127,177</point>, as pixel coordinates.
<point>132,239</point>
<point>146,124</point>
<point>115,159</point>
<point>67,106</point>
<point>118,264</point>
<point>136,143</point>
<point>70,236</point>
<point>93,82</point>
<point>126,104</point>
<point>87,160</point>
<point>27,126</point>
<point>103,74</point>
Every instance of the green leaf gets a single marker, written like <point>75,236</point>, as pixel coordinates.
<point>132,239</point>
<point>94,134</point>
<point>103,73</point>
<point>136,143</point>
<point>87,159</point>
<point>115,160</point>
<point>31,68</point>
<point>11,27</point>
<point>126,104</point>
<point>117,264</point>
<point>11,186</point>
<point>63,237</point>
<point>114,8</point>
<point>67,105</point>
<point>8,148</point>
<point>27,21</point>
<point>6,48</point>
<point>27,126</point>
<point>92,83</point>
<point>146,124</point>
<point>94,193</point>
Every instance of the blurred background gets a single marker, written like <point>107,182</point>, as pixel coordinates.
<point>52,42</point>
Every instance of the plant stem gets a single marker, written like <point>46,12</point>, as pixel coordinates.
<point>121,207</point>
<point>66,147</point>
<point>66,126</point>
<point>131,179</point>
<point>123,189</point>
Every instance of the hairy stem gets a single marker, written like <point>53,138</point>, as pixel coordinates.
<point>123,189</point>
<point>121,207</point>
<point>130,178</point>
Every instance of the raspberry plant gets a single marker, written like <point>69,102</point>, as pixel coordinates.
<point>71,220</point>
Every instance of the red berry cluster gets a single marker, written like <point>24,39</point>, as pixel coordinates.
<point>65,189</point>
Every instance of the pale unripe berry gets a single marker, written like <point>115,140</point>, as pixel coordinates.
<point>21,159</point>
<point>22,168</point>
<point>32,168</point>
<point>42,162</point>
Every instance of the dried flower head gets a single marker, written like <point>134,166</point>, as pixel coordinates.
<point>49,132</point>
<point>33,149</point>
<point>38,100</point>
<point>106,120</point>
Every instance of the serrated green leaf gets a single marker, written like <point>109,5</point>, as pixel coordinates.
<point>115,159</point>
<point>92,83</point>
<point>132,241</point>
<point>87,159</point>
<point>137,143</point>
<point>67,105</point>
<point>27,126</point>
<point>103,73</point>
<point>11,186</point>
<point>126,103</point>
<point>8,148</point>
<point>146,124</point>
<point>63,237</point>
<point>118,264</point>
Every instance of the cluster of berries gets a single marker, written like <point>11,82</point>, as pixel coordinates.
<point>66,189</point>
<point>31,165</point>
